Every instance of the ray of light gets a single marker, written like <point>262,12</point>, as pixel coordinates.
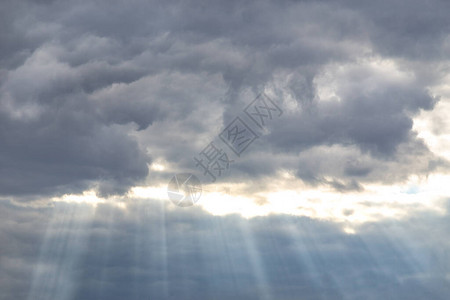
<point>63,245</point>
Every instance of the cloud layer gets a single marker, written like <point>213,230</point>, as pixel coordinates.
<point>91,93</point>
<point>105,96</point>
<point>152,250</point>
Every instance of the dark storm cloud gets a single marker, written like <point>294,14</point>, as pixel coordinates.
<point>378,122</point>
<point>152,250</point>
<point>374,115</point>
<point>414,29</point>
<point>22,231</point>
<point>91,92</point>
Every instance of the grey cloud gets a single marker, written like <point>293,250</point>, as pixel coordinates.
<point>154,250</point>
<point>86,66</point>
<point>92,92</point>
<point>376,119</point>
<point>417,30</point>
<point>55,140</point>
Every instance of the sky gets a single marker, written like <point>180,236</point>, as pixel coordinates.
<point>337,189</point>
